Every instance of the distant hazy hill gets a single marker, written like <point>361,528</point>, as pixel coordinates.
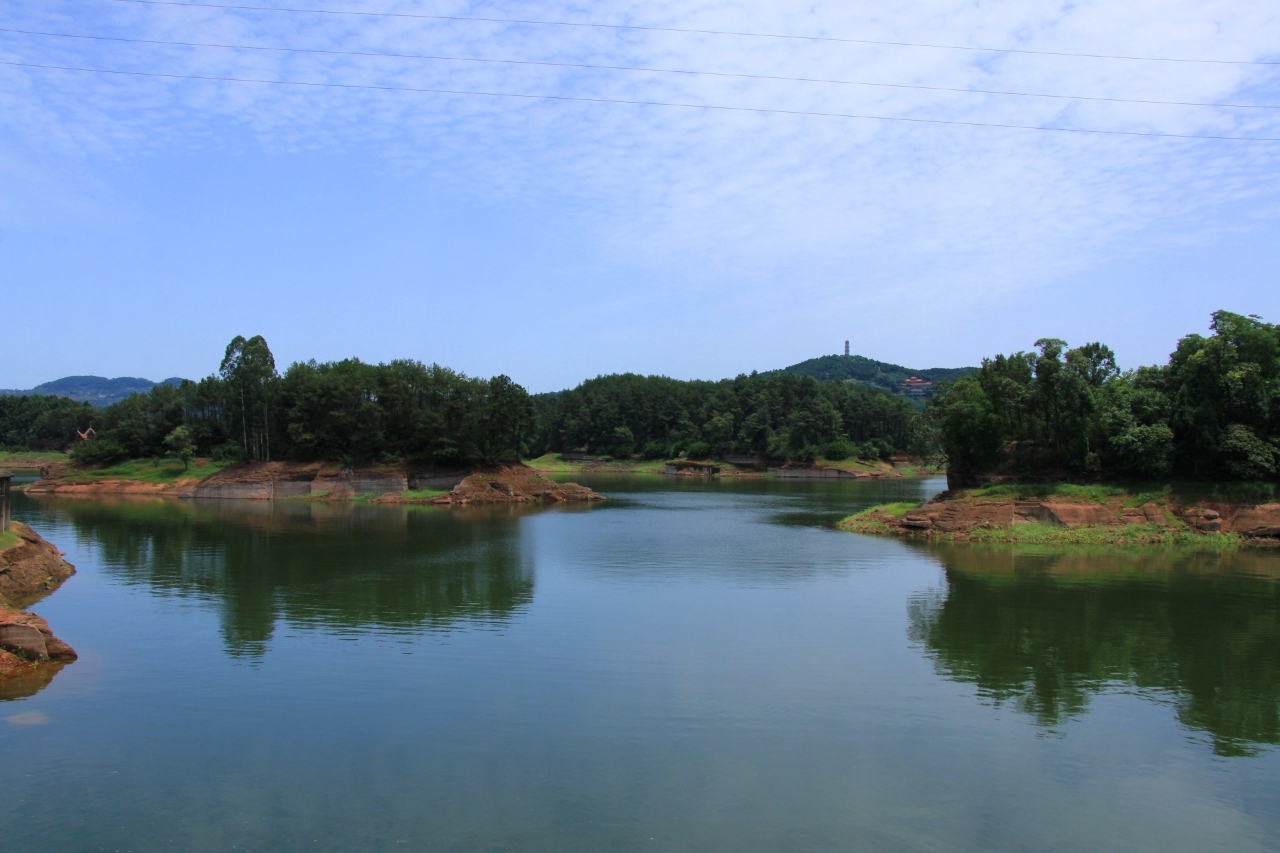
<point>872,372</point>
<point>95,390</point>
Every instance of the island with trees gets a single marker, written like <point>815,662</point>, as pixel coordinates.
<point>1060,445</point>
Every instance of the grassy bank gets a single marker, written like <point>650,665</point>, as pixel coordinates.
<point>878,521</point>
<point>1098,514</point>
<point>873,521</point>
<point>1129,534</point>
<point>151,471</point>
<point>31,458</point>
<point>9,539</point>
<point>551,463</point>
<point>1097,493</point>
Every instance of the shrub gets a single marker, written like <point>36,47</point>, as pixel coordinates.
<point>698,450</point>
<point>838,450</point>
<point>655,450</point>
<point>99,452</point>
<point>1144,451</point>
<point>808,453</point>
<point>1247,456</point>
<point>229,453</point>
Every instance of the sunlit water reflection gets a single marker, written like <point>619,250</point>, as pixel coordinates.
<point>691,666</point>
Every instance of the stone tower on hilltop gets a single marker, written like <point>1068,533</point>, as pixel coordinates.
<point>846,348</point>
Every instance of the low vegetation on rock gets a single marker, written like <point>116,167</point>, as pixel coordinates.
<point>1066,514</point>
<point>30,654</point>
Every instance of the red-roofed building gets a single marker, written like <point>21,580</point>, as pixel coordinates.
<point>916,387</point>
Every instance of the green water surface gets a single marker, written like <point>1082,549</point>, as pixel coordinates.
<point>691,666</point>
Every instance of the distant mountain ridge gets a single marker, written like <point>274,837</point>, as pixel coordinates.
<point>871,372</point>
<point>94,390</point>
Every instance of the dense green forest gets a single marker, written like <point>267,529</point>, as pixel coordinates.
<point>407,411</point>
<point>774,415</point>
<point>345,410</point>
<point>41,422</point>
<point>871,372</point>
<point>1213,411</point>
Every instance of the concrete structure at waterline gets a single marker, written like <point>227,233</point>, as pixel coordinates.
<point>6,484</point>
<point>691,468</point>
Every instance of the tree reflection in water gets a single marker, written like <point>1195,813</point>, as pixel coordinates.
<point>333,567</point>
<point>1046,632</point>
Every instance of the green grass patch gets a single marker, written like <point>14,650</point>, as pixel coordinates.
<point>422,494</point>
<point>867,524</point>
<point>872,520</point>
<point>310,496</point>
<point>1094,493</point>
<point>1130,534</point>
<point>9,538</point>
<point>30,458</point>
<point>1130,494</point>
<point>850,464</point>
<point>149,471</point>
<point>551,463</point>
<point>897,510</point>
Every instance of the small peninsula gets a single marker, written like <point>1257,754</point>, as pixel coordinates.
<point>30,654</point>
<point>1074,515</point>
<point>1060,445</point>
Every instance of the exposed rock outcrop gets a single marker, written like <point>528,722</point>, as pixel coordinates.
<point>514,484</point>
<point>28,636</point>
<point>30,654</point>
<point>957,514</point>
<point>31,569</point>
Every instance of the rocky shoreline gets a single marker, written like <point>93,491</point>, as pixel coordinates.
<point>968,515</point>
<point>318,481</point>
<point>30,654</point>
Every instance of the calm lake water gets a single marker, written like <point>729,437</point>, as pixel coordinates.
<point>692,666</point>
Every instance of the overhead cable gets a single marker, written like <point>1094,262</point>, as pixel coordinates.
<point>544,23</point>
<point>642,69</point>
<point>638,103</point>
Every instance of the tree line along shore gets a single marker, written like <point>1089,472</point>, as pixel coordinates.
<point>408,413</point>
<point>1053,415</point>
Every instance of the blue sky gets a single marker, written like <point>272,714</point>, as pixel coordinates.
<point>145,221</point>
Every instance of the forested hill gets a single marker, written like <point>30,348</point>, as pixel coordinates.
<point>95,390</point>
<point>872,372</point>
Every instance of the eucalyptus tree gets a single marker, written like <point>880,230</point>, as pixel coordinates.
<point>248,371</point>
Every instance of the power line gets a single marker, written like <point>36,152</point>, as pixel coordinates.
<point>542,23</point>
<point>584,99</point>
<point>593,67</point>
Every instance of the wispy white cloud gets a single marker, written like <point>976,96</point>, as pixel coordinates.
<point>862,210</point>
